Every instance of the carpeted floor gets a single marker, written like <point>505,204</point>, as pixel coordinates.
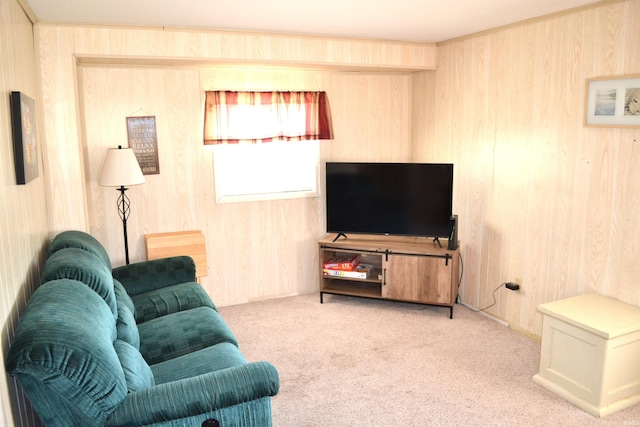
<point>360,362</point>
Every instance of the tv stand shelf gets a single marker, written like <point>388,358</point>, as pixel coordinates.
<point>409,269</point>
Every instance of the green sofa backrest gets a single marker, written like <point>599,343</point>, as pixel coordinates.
<point>64,357</point>
<point>86,267</point>
<point>79,240</point>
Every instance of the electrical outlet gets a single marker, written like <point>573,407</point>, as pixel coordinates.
<point>518,280</point>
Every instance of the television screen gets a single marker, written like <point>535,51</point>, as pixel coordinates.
<point>407,199</point>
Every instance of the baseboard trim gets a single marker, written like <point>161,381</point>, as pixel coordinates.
<point>477,310</point>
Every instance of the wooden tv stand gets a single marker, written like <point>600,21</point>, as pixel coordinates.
<point>410,269</point>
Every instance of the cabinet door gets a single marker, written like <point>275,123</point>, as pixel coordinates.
<point>418,278</point>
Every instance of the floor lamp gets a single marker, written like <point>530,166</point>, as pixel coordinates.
<point>121,169</point>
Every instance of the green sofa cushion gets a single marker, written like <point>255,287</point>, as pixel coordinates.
<point>136,371</point>
<point>122,297</point>
<point>141,277</point>
<point>126,327</point>
<point>126,322</point>
<point>83,266</point>
<point>171,299</point>
<point>180,333</point>
<point>80,240</point>
<point>63,355</point>
<point>209,359</point>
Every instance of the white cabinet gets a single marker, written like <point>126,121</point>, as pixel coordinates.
<point>590,352</point>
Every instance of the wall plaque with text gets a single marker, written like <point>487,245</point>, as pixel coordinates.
<point>143,140</point>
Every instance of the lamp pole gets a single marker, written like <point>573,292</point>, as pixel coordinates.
<point>123,210</point>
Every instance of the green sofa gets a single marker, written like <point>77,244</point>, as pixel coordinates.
<point>138,345</point>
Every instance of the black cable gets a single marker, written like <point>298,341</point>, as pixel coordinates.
<point>459,301</point>
<point>460,278</point>
<point>494,299</point>
<point>461,269</point>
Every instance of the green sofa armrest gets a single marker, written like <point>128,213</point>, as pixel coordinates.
<point>147,276</point>
<point>197,395</point>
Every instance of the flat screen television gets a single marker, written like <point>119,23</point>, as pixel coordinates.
<point>404,199</point>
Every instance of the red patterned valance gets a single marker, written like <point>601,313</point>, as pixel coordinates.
<point>256,117</point>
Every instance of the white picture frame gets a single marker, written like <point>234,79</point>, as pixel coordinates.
<point>613,102</point>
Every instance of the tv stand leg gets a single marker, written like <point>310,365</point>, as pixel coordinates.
<point>321,298</point>
<point>340,235</point>
<point>451,312</point>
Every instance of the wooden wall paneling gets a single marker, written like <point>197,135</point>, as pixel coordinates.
<point>603,157</point>
<point>315,219</point>
<point>93,130</point>
<point>117,41</point>
<point>570,161</point>
<point>171,45</point>
<point>602,160</point>
<point>302,50</point>
<point>622,251</point>
<point>313,225</point>
<point>568,186</point>
<point>632,35</point>
<point>203,204</point>
<point>398,114</point>
<point>370,111</point>
<point>628,219</point>
<point>62,152</point>
<point>500,212</point>
<point>237,250</point>
<point>252,238</point>
<point>481,160</point>
<point>610,26</point>
<point>167,96</point>
<point>625,212</point>
<point>579,227</point>
<point>516,143</point>
<point>423,92</point>
<point>543,193</point>
<point>357,96</point>
<point>347,131</point>
<point>24,227</point>
<point>288,216</point>
<point>450,117</point>
<point>460,120</point>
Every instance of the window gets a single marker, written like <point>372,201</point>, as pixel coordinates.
<point>278,170</point>
<point>266,143</point>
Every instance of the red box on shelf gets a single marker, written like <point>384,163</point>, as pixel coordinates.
<point>346,263</point>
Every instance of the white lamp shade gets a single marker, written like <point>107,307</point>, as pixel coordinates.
<point>120,168</point>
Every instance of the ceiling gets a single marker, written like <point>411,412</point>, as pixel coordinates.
<point>399,20</point>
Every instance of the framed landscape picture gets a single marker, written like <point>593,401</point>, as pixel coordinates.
<point>25,145</point>
<point>613,102</point>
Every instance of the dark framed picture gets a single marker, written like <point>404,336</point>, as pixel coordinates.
<point>143,139</point>
<point>25,144</point>
<point>613,102</point>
